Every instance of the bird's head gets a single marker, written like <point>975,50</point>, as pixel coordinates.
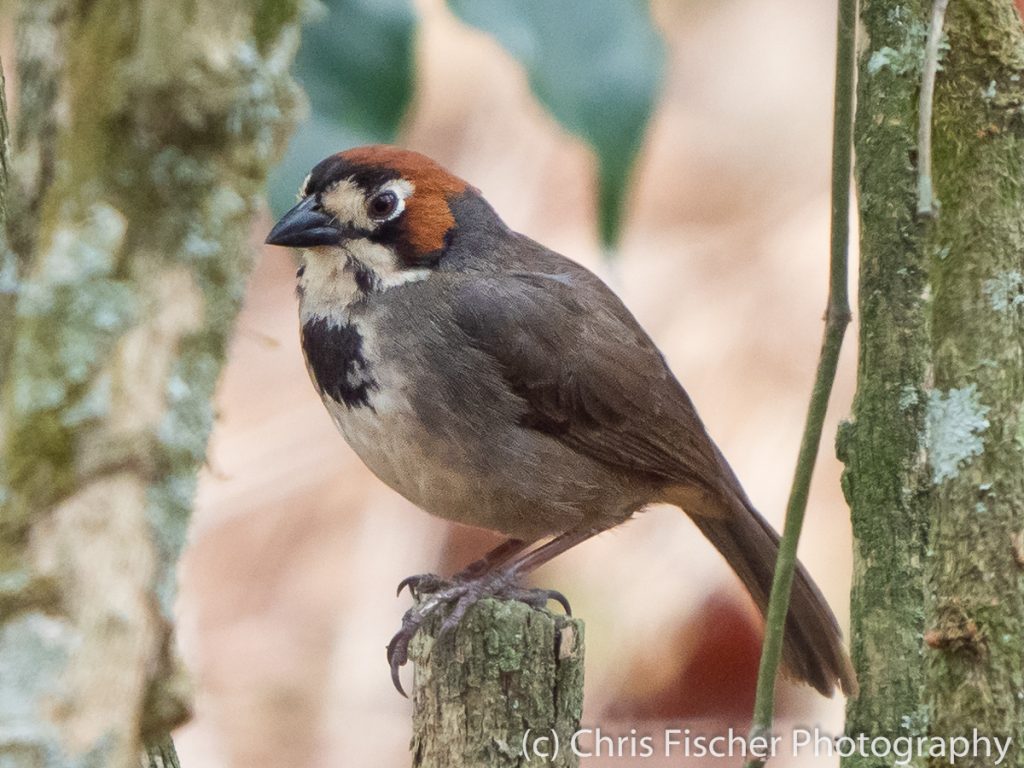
<point>373,203</point>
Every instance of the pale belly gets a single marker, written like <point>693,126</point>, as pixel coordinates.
<point>444,477</point>
<point>391,441</point>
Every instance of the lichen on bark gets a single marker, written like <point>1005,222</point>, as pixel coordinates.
<point>166,119</point>
<point>976,678</point>
<point>886,476</point>
<point>933,452</point>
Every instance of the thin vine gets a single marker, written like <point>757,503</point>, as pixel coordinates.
<point>837,317</point>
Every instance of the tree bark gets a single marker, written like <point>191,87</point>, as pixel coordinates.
<point>131,241</point>
<point>934,470</point>
<point>885,481</point>
<point>161,754</point>
<point>975,609</point>
<point>509,675</point>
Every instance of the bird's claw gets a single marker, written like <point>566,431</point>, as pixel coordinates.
<point>463,594</point>
<point>398,649</point>
<point>558,597</point>
<point>420,584</point>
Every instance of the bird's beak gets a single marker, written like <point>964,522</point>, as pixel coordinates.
<point>305,227</point>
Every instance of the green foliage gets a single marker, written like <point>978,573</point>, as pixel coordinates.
<point>356,65</point>
<point>595,64</point>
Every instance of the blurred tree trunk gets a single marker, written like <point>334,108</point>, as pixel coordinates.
<point>935,475</point>
<point>144,130</point>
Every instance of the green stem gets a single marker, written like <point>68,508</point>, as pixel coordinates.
<point>836,319</point>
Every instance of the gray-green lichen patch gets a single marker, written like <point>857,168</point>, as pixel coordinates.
<point>915,722</point>
<point>956,422</point>
<point>1019,436</point>
<point>908,396</point>
<point>8,269</point>
<point>1005,291</point>
<point>909,57</point>
<point>168,503</point>
<point>85,250</point>
<point>34,651</point>
<point>76,303</point>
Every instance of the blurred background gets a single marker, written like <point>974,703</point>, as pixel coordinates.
<point>287,586</point>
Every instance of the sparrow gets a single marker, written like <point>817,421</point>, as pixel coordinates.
<point>496,383</point>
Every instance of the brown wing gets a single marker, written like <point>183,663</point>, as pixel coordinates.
<point>589,375</point>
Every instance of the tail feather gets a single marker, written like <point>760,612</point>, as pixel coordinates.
<point>812,645</point>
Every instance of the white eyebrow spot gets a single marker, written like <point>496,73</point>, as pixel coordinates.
<point>403,190</point>
<point>401,187</point>
<point>304,186</point>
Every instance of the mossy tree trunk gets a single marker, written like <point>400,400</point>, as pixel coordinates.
<point>143,136</point>
<point>935,452</point>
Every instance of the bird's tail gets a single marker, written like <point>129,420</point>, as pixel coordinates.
<point>813,645</point>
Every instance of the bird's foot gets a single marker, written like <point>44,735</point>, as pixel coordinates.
<point>458,596</point>
<point>422,584</point>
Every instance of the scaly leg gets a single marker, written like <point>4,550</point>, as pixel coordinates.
<point>485,578</point>
<point>429,582</point>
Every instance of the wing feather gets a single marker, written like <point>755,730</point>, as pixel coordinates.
<point>588,374</point>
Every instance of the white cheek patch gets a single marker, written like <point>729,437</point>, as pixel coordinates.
<point>403,276</point>
<point>383,262</point>
<point>373,256</point>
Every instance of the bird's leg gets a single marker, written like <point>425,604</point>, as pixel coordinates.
<point>495,557</point>
<point>487,577</point>
<point>504,582</point>
<point>425,583</point>
<point>550,550</point>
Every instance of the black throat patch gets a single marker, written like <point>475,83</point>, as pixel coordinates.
<point>335,356</point>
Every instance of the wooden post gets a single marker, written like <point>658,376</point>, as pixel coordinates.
<point>509,678</point>
<point>161,755</point>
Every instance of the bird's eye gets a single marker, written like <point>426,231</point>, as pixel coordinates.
<point>383,205</point>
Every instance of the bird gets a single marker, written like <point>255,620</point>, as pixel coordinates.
<point>498,384</point>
